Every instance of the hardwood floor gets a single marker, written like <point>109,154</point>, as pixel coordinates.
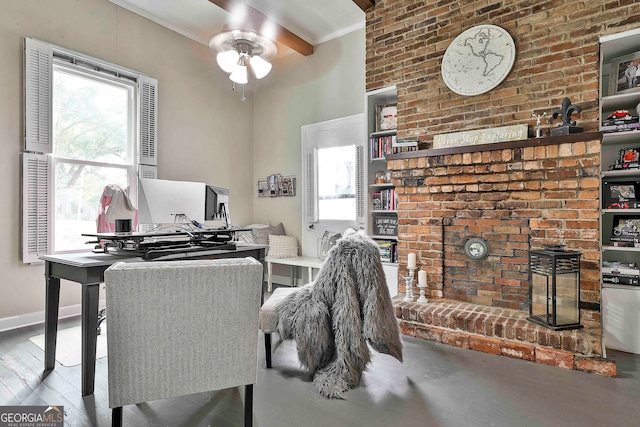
<point>437,385</point>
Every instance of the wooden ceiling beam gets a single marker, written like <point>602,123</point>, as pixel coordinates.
<point>365,4</point>
<point>256,19</point>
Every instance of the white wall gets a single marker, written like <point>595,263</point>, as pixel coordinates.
<point>205,132</point>
<point>203,126</point>
<point>326,85</point>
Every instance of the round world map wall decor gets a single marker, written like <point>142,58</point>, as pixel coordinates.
<point>478,60</point>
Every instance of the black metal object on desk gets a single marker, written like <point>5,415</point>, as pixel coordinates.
<point>151,245</point>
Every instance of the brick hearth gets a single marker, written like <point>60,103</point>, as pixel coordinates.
<point>503,332</point>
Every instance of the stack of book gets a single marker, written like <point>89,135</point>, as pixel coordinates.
<point>388,250</point>
<point>404,145</point>
<point>620,124</point>
<point>620,273</point>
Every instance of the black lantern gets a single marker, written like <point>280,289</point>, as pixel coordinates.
<point>554,288</point>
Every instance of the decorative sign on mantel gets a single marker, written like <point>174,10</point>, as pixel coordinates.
<point>480,136</point>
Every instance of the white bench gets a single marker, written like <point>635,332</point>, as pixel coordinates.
<point>307,262</point>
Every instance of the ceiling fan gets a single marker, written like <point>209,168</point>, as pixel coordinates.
<point>255,20</point>
<point>243,46</point>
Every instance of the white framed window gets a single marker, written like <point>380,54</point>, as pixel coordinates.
<point>88,123</point>
<point>334,176</point>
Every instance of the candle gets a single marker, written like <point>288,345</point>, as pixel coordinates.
<point>411,264</point>
<point>422,277</point>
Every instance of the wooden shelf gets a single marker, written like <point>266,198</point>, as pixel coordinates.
<point>530,142</point>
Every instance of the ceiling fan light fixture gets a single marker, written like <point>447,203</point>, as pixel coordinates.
<point>227,60</point>
<point>260,67</point>
<point>239,75</point>
<point>237,47</point>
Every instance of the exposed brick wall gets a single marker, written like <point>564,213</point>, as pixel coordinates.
<point>501,279</point>
<point>556,56</point>
<point>553,187</point>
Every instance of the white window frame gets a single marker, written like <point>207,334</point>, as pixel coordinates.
<point>332,133</point>
<point>37,192</point>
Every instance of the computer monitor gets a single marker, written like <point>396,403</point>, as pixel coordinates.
<point>217,204</point>
<point>161,200</point>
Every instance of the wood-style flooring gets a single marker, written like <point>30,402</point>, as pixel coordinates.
<point>437,385</point>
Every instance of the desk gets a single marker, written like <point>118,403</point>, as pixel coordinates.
<point>88,270</point>
<point>309,263</point>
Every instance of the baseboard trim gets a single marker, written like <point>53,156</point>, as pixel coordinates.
<point>23,320</point>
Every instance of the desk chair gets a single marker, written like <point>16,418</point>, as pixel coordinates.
<point>182,327</point>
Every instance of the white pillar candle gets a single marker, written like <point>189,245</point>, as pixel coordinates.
<point>411,263</point>
<point>422,277</point>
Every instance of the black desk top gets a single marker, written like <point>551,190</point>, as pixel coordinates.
<point>95,259</point>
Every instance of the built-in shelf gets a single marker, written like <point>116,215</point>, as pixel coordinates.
<point>619,248</point>
<point>380,237</point>
<point>617,211</point>
<point>620,173</point>
<point>616,137</point>
<point>626,287</point>
<point>383,211</point>
<point>385,185</point>
<point>383,133</point>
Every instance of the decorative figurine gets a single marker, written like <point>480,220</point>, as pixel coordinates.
<point>538,118</point>
<point>567,125</point>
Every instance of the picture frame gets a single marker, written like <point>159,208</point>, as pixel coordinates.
<point>386,117</point>
<point>628,158</point>
<point>619,78</point>
<point>385,225</point>
<point>625,226</point>
<point>620,194</point>
<point>277,185</point>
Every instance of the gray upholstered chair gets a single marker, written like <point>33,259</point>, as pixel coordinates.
<point>269,317</point>
<point>182,327</point>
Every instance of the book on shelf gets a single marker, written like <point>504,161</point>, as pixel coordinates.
<point>388,250</point>
<point>404,145</point>
<point>620,279</point>
<point>619,264</point>
<point>385,200</point>
<point>620,271</point>
<point>381,145</point>
<point>376,201</point>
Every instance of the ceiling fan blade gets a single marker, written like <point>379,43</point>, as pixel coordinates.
<point>365,4</point>
<point>283,35</point>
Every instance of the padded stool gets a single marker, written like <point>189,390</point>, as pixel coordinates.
<point>269,317</point>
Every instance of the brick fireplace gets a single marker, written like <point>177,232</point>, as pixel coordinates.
<point>552,183</point>
<point>517,196</point>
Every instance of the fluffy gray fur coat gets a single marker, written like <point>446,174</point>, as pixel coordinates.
<point>332,319</point>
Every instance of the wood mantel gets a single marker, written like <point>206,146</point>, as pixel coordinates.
<point>530,142</point>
